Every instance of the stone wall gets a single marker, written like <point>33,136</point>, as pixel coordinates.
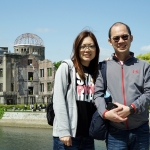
<point>25,119</point>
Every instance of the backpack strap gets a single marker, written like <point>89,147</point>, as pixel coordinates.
<point>70,65</point>
<point>103,68</point>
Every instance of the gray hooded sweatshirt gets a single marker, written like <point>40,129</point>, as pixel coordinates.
<point>65,121</point>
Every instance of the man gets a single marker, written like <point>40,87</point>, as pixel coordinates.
<point>128,83</point>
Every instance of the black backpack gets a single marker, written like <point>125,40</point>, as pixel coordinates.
<point>98,127</point>
<point>50,111</point>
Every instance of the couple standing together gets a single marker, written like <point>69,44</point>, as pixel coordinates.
<point>128,82</point>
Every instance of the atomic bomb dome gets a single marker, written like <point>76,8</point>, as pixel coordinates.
<point>29,39</point>
<point>28,43</point>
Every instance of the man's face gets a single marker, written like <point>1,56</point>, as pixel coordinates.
<point>120,40</point>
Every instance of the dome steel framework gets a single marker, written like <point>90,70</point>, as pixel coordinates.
<point>28,39</point>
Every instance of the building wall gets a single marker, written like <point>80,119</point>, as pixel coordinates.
<point>21,76</point>
<point>30,49</point>
<point>45,64</point>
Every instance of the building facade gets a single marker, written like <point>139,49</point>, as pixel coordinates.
<point>26,77</point>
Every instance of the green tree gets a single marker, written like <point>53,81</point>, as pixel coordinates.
<point>145,57</point>
<point>57,64</point>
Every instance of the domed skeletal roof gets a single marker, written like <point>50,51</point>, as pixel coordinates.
<point>28,39</point>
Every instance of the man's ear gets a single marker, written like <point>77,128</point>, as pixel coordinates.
<point>131,38</point>
<point>109,41</point>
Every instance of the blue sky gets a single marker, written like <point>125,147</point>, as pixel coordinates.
<point>58,23</point>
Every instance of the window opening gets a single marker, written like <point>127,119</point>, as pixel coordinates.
<point>49,72</point>
<point>30,76</point>
<point>49,86</point>
<point>29,61</point>
<point>41,72</point>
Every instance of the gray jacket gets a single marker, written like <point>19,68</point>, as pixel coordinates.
<point>65,122</point>
<point>127,84</point>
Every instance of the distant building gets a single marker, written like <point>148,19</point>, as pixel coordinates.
<point>25,76</point>
<point>3,50</point>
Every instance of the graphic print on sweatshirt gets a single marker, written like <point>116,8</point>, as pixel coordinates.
<point>85,89</point>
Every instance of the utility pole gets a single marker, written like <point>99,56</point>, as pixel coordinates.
<point>27,95</point>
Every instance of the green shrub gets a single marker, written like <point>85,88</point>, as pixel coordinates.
<point>19,106</point>
<point>1,112</point>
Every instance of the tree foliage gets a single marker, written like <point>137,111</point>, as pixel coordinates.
<point>57,64</point>
<point>145,57</point>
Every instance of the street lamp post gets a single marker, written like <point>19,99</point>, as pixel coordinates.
<point>27,87</point>
<point>36,98</point>
<point>27,94</point>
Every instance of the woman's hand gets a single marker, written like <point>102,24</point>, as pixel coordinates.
<point>66,140</point>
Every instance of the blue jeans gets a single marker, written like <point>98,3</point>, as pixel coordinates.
<point>78,143</point>
<point>135,139</point>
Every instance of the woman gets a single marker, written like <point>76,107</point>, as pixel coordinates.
<point>73,106</point>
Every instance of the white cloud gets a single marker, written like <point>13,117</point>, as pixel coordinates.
<point>145,48</point>
<point>44,30</point>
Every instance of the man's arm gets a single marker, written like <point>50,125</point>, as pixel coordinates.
<point>101,105</point>
<point>143,101</point>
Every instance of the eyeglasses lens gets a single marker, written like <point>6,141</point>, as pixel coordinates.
<point>90,47</point>
<point>117,38</point>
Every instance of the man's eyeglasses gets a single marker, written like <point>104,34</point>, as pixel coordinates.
<point>124,37</point>
<point>90,47</point>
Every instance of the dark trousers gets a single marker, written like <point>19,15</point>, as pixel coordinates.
<point>78,143</point>
<point>135,139</point>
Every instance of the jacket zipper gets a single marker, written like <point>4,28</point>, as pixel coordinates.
<point>123,88</point>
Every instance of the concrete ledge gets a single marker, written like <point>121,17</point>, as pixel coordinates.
<point>25,119</point>
<point>25,115</point>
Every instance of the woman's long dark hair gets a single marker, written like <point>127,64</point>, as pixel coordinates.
<point>76,59</point>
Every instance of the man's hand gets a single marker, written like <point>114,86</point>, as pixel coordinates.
<point>66,140</point>
<point>124,112</point>
<point>113,115</point>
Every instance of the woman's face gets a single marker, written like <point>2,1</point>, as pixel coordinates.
<point>87,51</point>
